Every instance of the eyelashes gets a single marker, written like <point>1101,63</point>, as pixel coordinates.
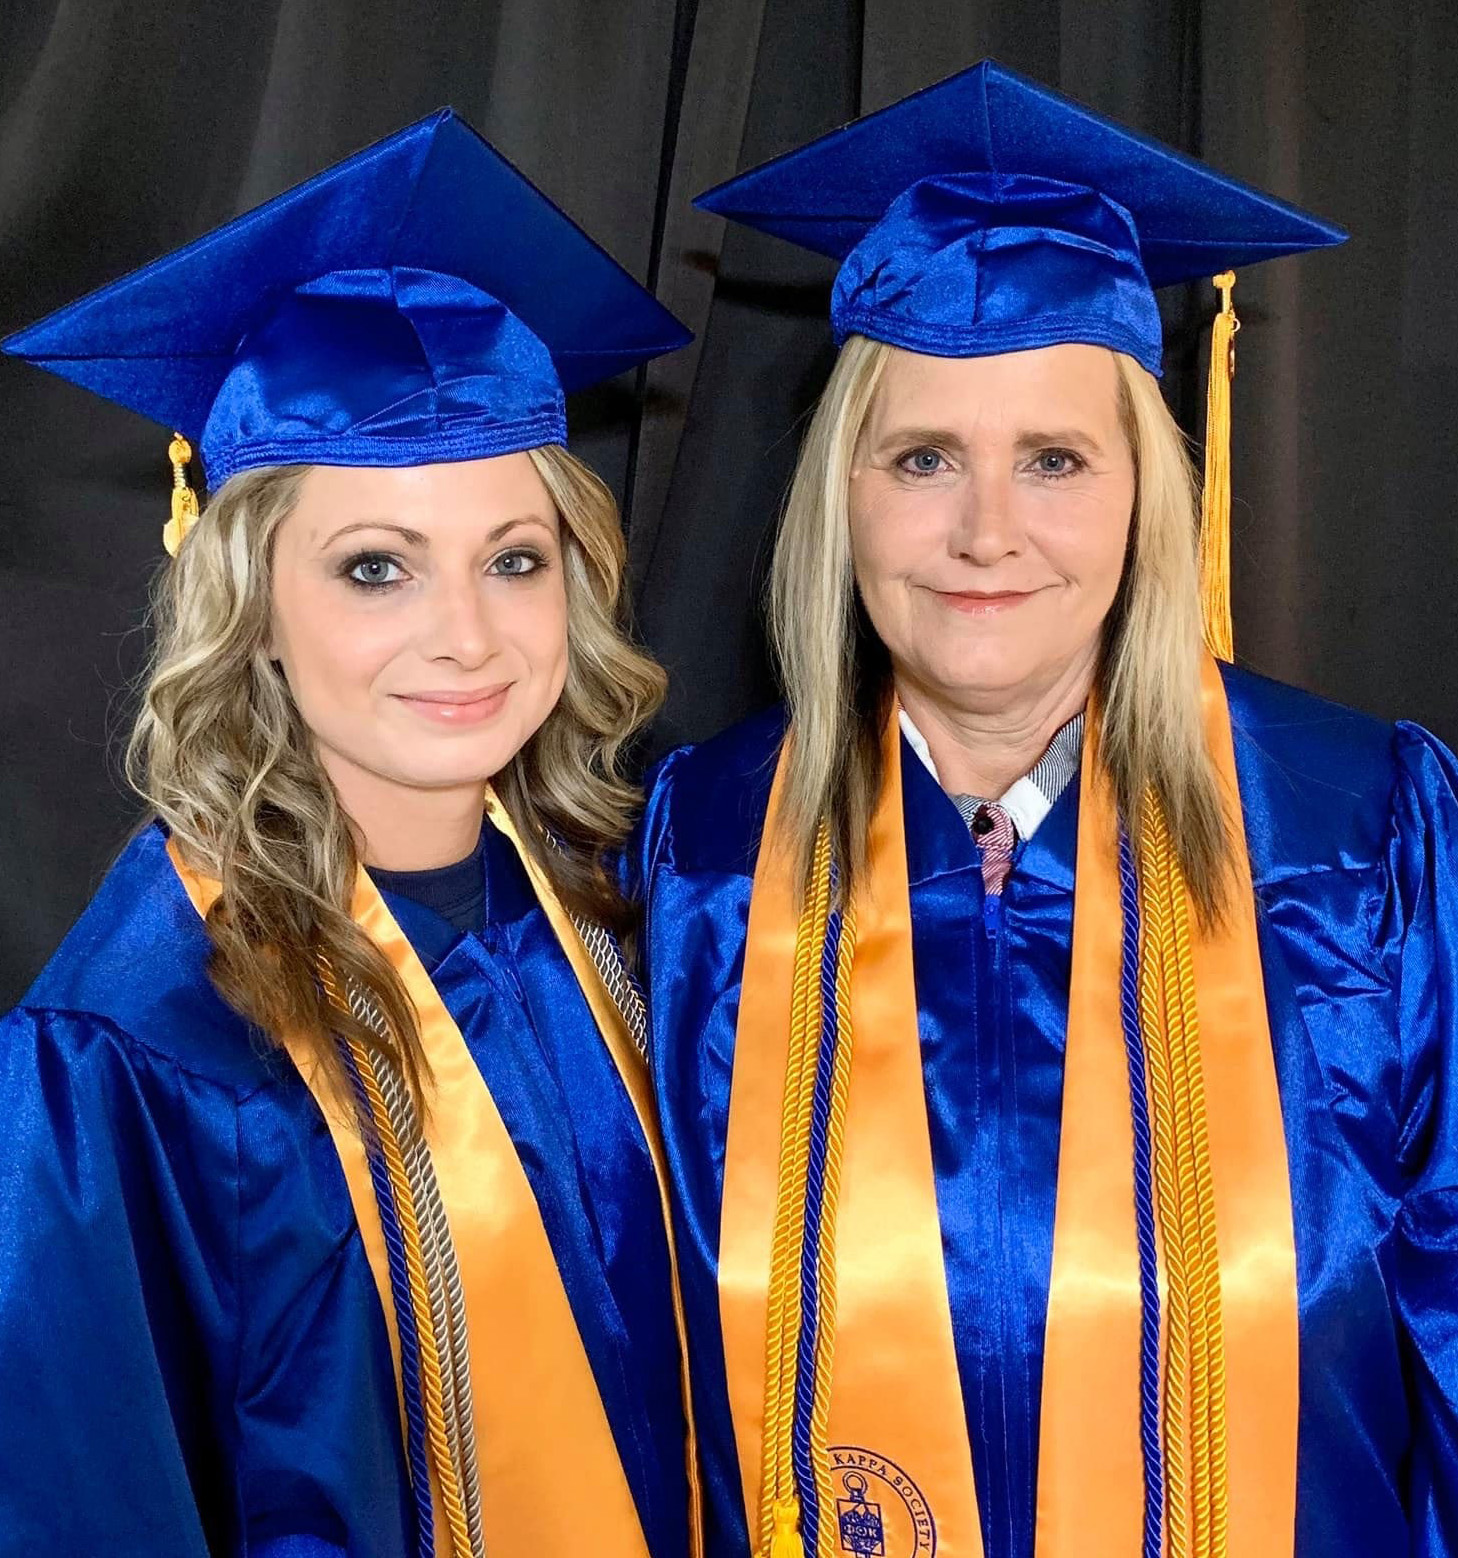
<point>375,572</point>
<point>911,464</point>
<point>526,560</point>
<point>1048,465</point>
<point>371,571</point>
<point>1071,464</point>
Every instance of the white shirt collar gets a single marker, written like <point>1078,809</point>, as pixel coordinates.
<point>1023,801</point>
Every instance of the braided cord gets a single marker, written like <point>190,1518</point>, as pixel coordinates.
<point>368,1067</point>
<point>1195,1429</point>
<point>618,979</point>
<point>442,1272</point>
<point>405,1323</point>
<point>807,1481</point>
<point>779,1506</point>
<point>606,954</point>
<point>1145,1228</point>
<point>826,1265</point>
<point>1171,1219</point>
<point>1212,1483</point>
<point>447,1296</point>
<point>441,1453</point>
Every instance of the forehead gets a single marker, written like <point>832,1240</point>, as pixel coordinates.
<point>1063,385</point>
<point>426,497</point>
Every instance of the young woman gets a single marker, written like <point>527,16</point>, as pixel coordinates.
<point>329,1212</point>
<point>1053,1029</point>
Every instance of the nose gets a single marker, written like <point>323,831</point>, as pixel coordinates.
<point>459,626</point>
<point>986,528</point>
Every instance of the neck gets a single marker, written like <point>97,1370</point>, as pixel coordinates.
<point>401,827</point>
<point>984,750</point>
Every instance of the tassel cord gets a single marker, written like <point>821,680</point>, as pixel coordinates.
<point>1215,498</point>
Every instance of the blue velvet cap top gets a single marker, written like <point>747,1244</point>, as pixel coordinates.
<point>989,214</point>
<point>420,302</point>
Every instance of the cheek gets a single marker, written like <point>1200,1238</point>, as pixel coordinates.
<point>332,647</point>
<point>892,534</point>
<point>539,630</point>
<point>1084,538</point>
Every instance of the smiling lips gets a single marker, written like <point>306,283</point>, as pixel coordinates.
<point>983,603</point>
<point>457,708</point>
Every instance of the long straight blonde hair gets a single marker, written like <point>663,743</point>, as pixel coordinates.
<point>837,674</point>
<point>221,754</point>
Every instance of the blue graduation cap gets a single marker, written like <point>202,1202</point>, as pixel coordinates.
<point>421,301</point>
<point>988,214</point>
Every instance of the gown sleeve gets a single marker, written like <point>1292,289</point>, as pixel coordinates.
<point>102,1394</point>
<point>1423,863</point>
<point>637,869</point>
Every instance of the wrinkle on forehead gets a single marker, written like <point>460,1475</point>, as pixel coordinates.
<point>1049,395</point>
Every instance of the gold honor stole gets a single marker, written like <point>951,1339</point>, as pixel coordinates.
<point>533,1392</point>
<point>883,1447</point>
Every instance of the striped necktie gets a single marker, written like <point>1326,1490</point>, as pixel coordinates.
<point>994,834</point>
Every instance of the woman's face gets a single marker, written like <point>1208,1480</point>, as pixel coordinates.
<point>990,504</point>
<point>420,616</point>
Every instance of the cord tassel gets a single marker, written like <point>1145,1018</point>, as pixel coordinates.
<point>184,499</point>
<point>785,1538</point>
<point>1215,503</point>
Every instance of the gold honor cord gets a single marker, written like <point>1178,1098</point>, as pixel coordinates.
<point>1215,501</point>
<point>825,1264</point>
<point>779,1515</point>
<point>781,1534</point>
<point>444,1465</point>
<point>1196,1472</point>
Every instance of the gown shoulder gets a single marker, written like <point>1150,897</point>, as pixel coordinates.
<point>706,802</point>
<point>133,971</point>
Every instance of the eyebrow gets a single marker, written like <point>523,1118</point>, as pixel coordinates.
<point>1060,437</point>
<point>1034,438</point>
<point>907,437</point>
<point>416,538</point>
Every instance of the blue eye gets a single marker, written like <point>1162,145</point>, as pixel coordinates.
<point>373,570</point>
<point>517,563</point>
<point>922,462</point>
<point>1055,464</point>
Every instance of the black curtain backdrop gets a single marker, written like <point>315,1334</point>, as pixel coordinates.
<point>128,127</point>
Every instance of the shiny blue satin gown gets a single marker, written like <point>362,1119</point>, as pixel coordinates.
<point>1353,833</point>
<point>193,1354</point>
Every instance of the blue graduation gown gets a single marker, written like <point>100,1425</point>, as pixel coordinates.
<point>193,1353</point>
<point>1353,833</point>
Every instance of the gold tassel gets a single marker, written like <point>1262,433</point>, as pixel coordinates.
<point>1215,504</point>
<point>785,1541</point>
<point>184,499</point>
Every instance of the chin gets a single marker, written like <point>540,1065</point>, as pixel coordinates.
<point>451,763</point>
<point>982,676</point>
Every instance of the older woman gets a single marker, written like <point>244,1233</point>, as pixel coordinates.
<point>1053,1029</point>
<point>329,1214</point>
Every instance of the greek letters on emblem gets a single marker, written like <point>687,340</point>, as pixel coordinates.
<point>879,1511</point>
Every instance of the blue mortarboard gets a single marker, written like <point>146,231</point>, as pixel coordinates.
<point>988,214</point>
<point>420,302</point>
